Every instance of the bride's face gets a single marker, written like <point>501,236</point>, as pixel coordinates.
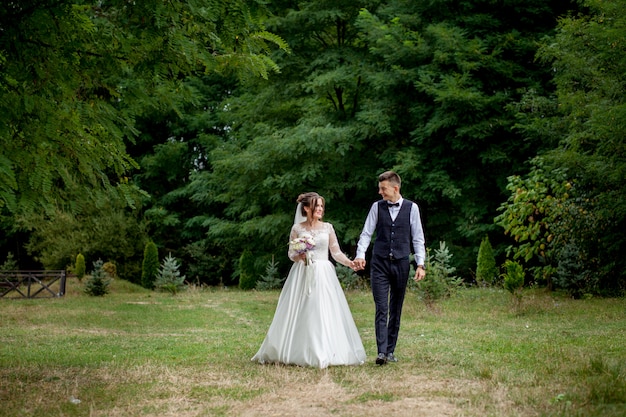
<point>317,212</point>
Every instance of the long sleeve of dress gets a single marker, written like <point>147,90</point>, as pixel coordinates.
<point>335,250</point>
<point>293,255</point>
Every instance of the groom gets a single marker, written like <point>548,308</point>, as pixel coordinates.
<point>398,227</point>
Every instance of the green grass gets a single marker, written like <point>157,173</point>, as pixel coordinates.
<point>139,353</point>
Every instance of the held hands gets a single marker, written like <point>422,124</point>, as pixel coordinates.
<point>358,264</point>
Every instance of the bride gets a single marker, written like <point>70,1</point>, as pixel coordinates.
<point>313,325</point>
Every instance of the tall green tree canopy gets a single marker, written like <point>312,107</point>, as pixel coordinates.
<point>418,87</point>
<point>74,75</point>
<point>568,215</point>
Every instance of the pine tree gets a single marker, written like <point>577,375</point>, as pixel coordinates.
<point>10,264</point>
<point>486,271</point>
<point>98,282</point>
<point>80,266</point>
<point>514,280</point>
<point>168,277</point>
<point>150,265</point>
<point>271,280</point>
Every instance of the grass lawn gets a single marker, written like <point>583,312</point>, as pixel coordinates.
<point>141,353</point>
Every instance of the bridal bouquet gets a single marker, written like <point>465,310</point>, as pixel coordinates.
<point>303,244</point>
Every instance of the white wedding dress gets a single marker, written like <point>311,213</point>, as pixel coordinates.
<point>313,325</point>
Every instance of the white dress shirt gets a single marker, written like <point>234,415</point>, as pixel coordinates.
<point>417,232</point>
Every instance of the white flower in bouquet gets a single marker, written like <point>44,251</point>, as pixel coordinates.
<point>303,244</point>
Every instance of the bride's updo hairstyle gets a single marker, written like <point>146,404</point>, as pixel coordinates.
<point>309,200</point>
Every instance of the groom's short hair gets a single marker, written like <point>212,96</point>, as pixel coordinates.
<point>390,176</point>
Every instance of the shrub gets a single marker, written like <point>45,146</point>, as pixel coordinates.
<point>110,269</point>
<point>10,264</point>
<point>98,282</point>
<point>80,266</point>
<point>573,274</point>
<point>348,279</point>
<point>247,278</point>
<point>514,279</point>
<point>150,265</point>
<point>439,281</point>
<point>486,270</point>
<point>271,280</point>
<point>168,277</point>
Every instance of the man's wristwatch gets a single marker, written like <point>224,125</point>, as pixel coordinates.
<point>421,266</point>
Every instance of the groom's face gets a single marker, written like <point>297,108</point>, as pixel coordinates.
<point>388,191</point>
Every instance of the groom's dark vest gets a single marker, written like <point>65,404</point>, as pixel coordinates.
<point>393,237</point>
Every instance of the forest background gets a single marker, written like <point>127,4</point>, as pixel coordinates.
<point>195,125</point>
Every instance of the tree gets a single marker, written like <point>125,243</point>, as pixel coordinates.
<point>449,74</point>
<point>514,280</point>
<point>486,270</point>
<point>100,230</point>
<point>168,277</point>
<point>402,85</point>
<point>74,75</point>
<point>98,282</point>
<point>584,221</point>
<point>80,266</point>
<point>150,265</point>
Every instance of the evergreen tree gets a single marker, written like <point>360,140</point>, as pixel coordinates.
<point>98,282</point>
<point>271,280</point>
<point>10,264</point>
<point>150,265</point>
<point>168,277</point>
<point>439,281</point>
<point>514,280</point>
<point>80,266</point>
<point>486,270</point>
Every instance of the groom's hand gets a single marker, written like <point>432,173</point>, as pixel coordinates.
<point>420,273</point>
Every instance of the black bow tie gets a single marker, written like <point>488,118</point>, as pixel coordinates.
<point>394,204</point>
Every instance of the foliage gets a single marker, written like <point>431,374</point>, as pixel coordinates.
<point>383,88</point>
<point>75,74</point>
<point>573,274</point>
<point>349,279</point>
<point>168,277</point>
<point>80,267</point>
<point>586,115</point>
<point>150,265</point>
<point>271,280</point>
<point>207,264</point>
<point>10,264</point>
<point>439,281</point>
<point>110,268</point>
<point>99,231</point>
<point>514,279</point>
<point>98,282</point>
<point>486,270</point>
<point>247,271</point>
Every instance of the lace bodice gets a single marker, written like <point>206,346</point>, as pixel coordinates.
<point>325,242</point>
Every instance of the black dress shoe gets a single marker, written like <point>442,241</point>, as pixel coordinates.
<point>381,359</point>
<point>391,358</point>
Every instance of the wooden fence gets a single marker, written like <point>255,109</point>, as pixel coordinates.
<point>32,284</point>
